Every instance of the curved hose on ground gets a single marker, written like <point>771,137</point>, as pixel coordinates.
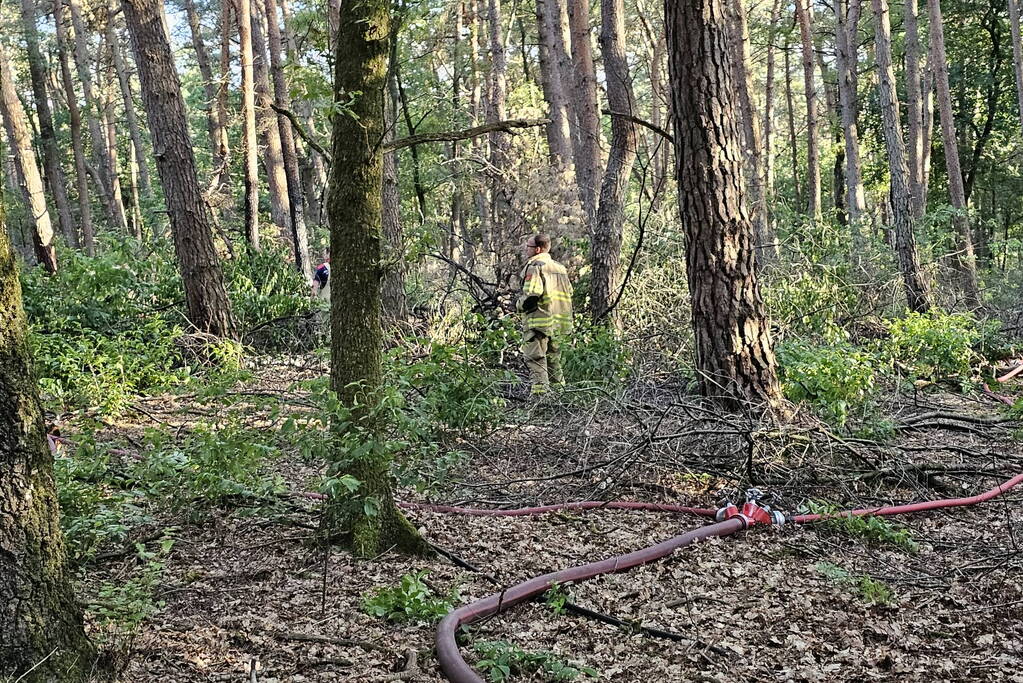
<point>458,671</point>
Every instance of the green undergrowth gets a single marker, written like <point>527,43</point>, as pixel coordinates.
<point>411,600</point>
<point>870,590</point>
<point>870,529</point>
<point>500,660</point>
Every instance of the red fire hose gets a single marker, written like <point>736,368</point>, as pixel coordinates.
<point>736,519</point>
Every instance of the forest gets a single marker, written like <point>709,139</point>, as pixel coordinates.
<point>551,340</point>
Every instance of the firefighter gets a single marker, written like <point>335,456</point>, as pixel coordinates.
<point>546,307</point>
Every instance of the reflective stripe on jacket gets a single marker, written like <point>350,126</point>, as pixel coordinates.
<point>545,278</point>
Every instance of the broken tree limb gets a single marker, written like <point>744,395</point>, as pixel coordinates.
<point>641,122</point>
<point>508,126</point>
<point>302,132</point>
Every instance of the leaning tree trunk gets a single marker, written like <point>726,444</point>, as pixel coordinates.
<point>38,73</point>
<point>965,263</point>
<point>847,63</point>
<point>134,129</point>
<point>249,123</point>
<point>282,98</point>
<point>75,123</point>
<point>606,236</point>
<point>270,136</point>
<point>813,161</point>
<point>743,79</point>
<point>734,357</point>
<point>917,296</point>
<point>223,151</point>
<point>41,633</point>
<point>16,123</point>
<point>205,294</point>
<point>501,230</point>
<point>1017,53</point>
<point>101,157</point>
<point>584,107</point>
<point>370,517</point>
<point>214,125</point>
<point>790,115</point>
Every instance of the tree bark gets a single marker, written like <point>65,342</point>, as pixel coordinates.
<point>734,357</point>
<point>790,112</point>
<point>75,121</point>
<point>205,294</point>
<point>134,129</point>
<point>214,124</point>
<point>501,219</point>
<point>847,63</point>
<point>551,51</point>
<point>813,163</point>
<point>965,263</point>
<point>270,137</point>
<point>38,74</point>
<point>299,233</point>
<point>917,296</point>
<point>1017,53</point>
<point>743,79</point>
<point>770,249</point>
<point>914,107</point>
<point>371,517</point>
<point>16,123</point>
<point>42,637</point>
<point>394,306</point>
<point>244,14</point>
<point>606,236</point>
<point>100,154</point>
<point>108,124</point>
<point>584,106</point>
<point>223,151</point>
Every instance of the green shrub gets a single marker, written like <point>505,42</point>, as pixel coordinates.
<point>871,590</point>
<point>935,345</point>
<point>500,660</point>
<point>869,528</point>
<point>412,600</point>
<point>126,604</point>
<point>838,381</point>
<point>594,355</point>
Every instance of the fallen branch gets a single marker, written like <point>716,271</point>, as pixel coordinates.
<point>346,642</point>
<point>453,135</point>
<point>641,122</point>
<point>302,132</point>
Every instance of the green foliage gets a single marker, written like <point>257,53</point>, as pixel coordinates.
<point>594,355</point>
<point>936,345</point>
<point>838,381</point>
<point>499,660</point>
<point>412,600</point>
<point>871,590</point>
<point>127,604</point>
<point>869,528</point>
<point>556,597</point>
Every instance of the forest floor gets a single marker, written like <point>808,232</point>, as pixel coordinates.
<point>246,594</point>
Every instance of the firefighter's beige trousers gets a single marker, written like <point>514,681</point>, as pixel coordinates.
<point>543,358</point>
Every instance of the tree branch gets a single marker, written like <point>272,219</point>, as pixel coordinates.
<point>452,135</point>
<point>302,132</point>
<point>646,124</point>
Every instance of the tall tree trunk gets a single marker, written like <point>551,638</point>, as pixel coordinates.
<point>1017,53</point>
<point>813,162</point>
<point>394,306</point>
<point>914,107</point>
<point>501,228</point>
<point>584,106</point>
<point>769,249</point>
<point>551,49</point>
<point>270,137</point>
<point>965,263</point>
<point>734,357</point>
<point>790,112</point>
<point>847,62</point>
<point>223,151</point>
<point>214,124</point>
<point>299,233</point>
<point>478,106</point>
<point>129,106</point>
<point>100,154</point>
<point>16,123</point>
<point>244,14</point>
<point>928,133</point>
<point>39,74</point>
<point>743,80</point>
<point>606,241</point>
<point>198,261</point>
<point>41,632</point>
<point>108,123</point>
<point>370,516</point>
<point>75,120</point>
<point>917,296</point>
<point>311,167</point>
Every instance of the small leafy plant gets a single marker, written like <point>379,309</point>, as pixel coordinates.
<point>871,529</point>
<point>412,600</point>
<point>500,660</point>
<point>837,381</point>
<point>129,603</point>
<point>556,597</point>
<point>871,590</point>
